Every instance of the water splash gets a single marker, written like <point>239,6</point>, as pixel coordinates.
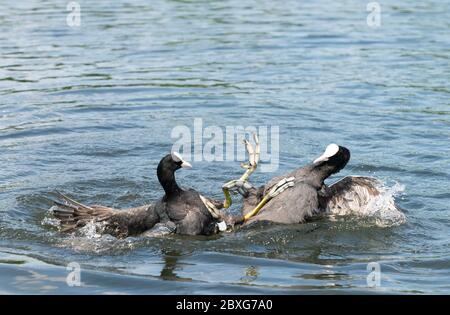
<point>384,209</point>
<point>91,230</point>
<point>51,222</point>
<point>91,239</point>
<point>380,210</point>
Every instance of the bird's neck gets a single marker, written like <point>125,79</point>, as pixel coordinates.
<point>320,174</point>
<point>168,182</point>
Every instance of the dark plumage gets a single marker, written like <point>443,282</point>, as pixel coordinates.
<point>184,210</point>
<point>184,207</point>
<point>119,223</point>
<point>180,210</point>
<point>310,196</point>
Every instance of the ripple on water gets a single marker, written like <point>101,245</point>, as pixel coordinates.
<point>89,111</point>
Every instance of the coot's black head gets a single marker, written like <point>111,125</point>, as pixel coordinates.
<point>166,171</point>
<point>172,162</point>
<point>333,159</point>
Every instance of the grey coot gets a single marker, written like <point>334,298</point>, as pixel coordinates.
<point>309,195</point>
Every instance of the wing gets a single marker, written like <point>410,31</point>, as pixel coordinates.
<point>350,194</point>
<point>73,215</point>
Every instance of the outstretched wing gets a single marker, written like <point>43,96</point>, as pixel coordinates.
<point>350,194</point>
<point>73,214</point>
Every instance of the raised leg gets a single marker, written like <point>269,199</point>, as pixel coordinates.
<point>241,185</point>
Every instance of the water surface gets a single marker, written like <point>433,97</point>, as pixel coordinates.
<point>89,111</point>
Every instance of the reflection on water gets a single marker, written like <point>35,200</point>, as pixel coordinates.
<point>89,111</point>
<point>171,265</point>
<point>251,274</point>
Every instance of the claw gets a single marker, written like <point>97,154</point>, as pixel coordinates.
<point>229,185</point>
<point>238,186</point>
<point>253,153</point>
<point>257,149</point>
<point>241,185</point>
<point>281,186</point>
<point>211,207</point>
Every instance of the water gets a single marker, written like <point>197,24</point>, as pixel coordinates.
<point>89,111</point>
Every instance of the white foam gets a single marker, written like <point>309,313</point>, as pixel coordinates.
<point>49,221</point>
<point>381,209</point>
<point>90,230</point>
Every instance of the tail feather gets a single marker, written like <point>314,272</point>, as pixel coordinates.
<point>71,201</point>
<point>73,214</point>
<point>64,208</point>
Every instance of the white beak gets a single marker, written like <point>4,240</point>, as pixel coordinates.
<point>331,150</point>
<point>186,165</point>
